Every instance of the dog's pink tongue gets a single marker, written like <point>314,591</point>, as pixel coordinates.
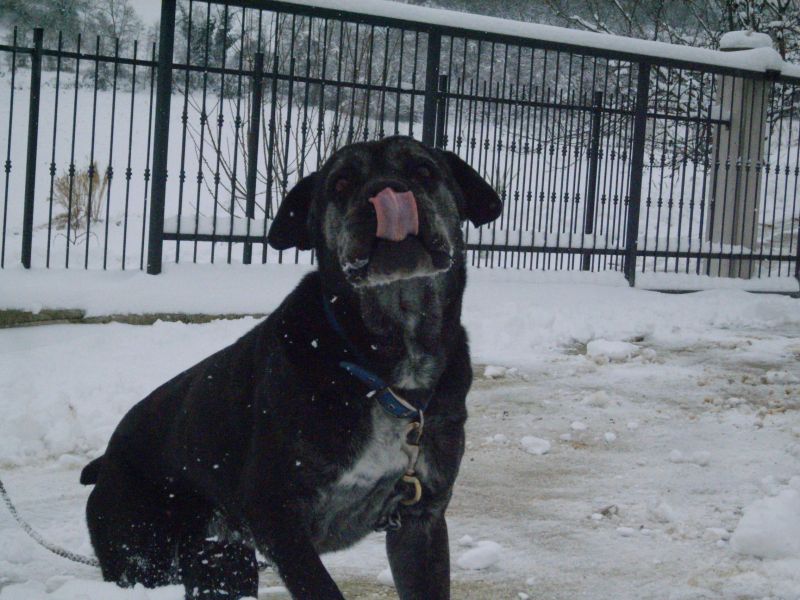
<point>397,214</point>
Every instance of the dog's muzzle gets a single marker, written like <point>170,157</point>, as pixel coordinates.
<point>392,241</point>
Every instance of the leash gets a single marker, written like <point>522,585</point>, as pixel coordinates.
<point>78,558</point>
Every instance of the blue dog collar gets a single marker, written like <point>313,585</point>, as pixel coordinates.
<point>389,401</point>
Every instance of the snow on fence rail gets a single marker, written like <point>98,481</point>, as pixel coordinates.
<point>610,153</point>
<point>460,24</point>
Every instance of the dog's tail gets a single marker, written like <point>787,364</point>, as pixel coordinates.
<point>91,471</point>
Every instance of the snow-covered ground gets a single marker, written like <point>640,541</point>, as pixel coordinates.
<point>621,443</point>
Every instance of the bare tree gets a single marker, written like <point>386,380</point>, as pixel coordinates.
<point>116,19</point>
<point>687,22</point>
<point>52,15</point>
<point>300,121</point>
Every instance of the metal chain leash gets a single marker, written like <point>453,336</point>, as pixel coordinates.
<point>78,558</point>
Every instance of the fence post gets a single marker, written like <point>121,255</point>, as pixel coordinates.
<point>166,43</point>
<point>637,171</point>
<point>431,87</point>
<point>252,150</point>
<point>591,192</point>
<point>797,257</point>
<point>736,182</point>
<point>33,140</point>
<point>440,140</point>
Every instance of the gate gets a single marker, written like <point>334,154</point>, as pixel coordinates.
<point>609,154</point>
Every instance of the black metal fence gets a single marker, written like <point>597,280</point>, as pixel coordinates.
<point>124,156</point>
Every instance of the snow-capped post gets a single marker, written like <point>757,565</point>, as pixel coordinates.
<point>738,152</point>
<point>637,171</point>
<point>33,142</point>
<point>166,46</point>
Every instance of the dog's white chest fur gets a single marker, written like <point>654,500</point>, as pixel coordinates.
<point>381,457</point>
<point>350,507</point>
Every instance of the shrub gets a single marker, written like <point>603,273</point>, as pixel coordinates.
<point>80,195</point>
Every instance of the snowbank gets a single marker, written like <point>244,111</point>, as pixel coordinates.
<point>256,289</point>
<point>186,288</point>
<point>689,282</point>
<point>509,314</point>
<point>66,406</point>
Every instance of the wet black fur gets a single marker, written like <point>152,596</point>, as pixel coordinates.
<point>231,454</point>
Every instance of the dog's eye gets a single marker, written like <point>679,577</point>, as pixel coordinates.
<point>423,171</point>
<point>341,185</point>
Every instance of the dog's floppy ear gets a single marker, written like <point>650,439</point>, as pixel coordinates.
<point>290,227</point>
<point>483,205</point>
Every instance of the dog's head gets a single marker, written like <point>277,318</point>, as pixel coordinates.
<point>385,211</point>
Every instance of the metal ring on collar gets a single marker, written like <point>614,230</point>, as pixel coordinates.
<point>417,490</point>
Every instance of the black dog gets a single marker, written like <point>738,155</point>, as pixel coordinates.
<point>342,413</point>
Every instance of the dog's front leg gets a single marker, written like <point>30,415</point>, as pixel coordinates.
<point>283,541</point>
<point>419,556</point>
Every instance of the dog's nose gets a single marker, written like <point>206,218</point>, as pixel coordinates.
<point>375,187</point>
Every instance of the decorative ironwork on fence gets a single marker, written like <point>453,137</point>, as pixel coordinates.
<point>605,159</point>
